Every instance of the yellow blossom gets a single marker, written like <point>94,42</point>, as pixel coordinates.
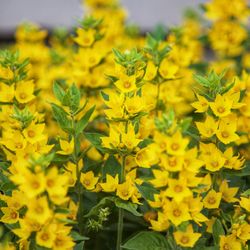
<point>88,180</point>
<point>67,148</point>
<point>111,183</point>
<point>187,238</point>
<point>212,199</point>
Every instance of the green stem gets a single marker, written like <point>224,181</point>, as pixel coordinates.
<point>120,212</point>
<point>119,229</point>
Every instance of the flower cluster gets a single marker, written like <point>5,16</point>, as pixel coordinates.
<point>113,139</point>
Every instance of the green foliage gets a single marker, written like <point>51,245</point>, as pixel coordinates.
<point>147,241</point>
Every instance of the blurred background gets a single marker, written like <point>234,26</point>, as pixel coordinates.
<point>54,13</point>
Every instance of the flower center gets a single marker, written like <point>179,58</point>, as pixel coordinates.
<point>175,146</point>
<point>23,95</point>
<point>211,200</point>
<point>87,182</point>
<point>31,133</point>
<point>221,109</point>
<point>35,184</point>
<point>50,183</point>
<point>45,236</point>
<point>184,239</point>
<point>125,193</point>
<point>172,162</point>
<point>224,134</point>
<point>178,188</point>
<point>39,209</point>
<point>19,145</point>
<point>215,164</point>
<point>177,212</point>
<point>13,215</point>
<point>127,84</point>
<point>226,247</point>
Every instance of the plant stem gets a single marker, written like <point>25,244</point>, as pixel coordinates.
<point>120,211</point>
<point>120,230</point>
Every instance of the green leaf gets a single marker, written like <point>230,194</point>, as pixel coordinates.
<point>83,122</point>
<point>111,167</point>
<point>77,237</point>
<point>119,56</point>
<point>95,139</point>
<point>202,80</point>
<point>147,191</point>
<point>147,241</point>
<point>79,246</point>
<point>218,230</point>
<point>185,123</point>
<point>61,117</point>
<point>58,91</point>
<point>246,193</point>
<point>128,206</point>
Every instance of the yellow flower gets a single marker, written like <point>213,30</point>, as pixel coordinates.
<point>111,183</point>
<point>221,106</point>
<point>7,92</point>
<point>88,180</point>
<point>177,212</point>
<point>227,36</point>
<point>243,232</point>
<point>186,238</point>
<point>226,132</point>
<point>220,9</point>
<point>151,71</point>
<point>24,91</point>
<point>134,105</point>
<point>146,157</point>
<point>129,139</point>
<point>67,148</point>
<point>10,215</point>
<point>245,203</point>
<point>212,199</point>
<point>38,210</point>
<point>31,184</point>
<point>207,128</point>
<point>15,142</point>
<point>125,190</point>
<point>85,38</point>
<point>191,163</point>
<point>6,73</point>
<point>229,242</point>
<point>63,241</point>
<point>210,224</point>
<point>16,200</point>
<point>113,140</point>
<point>172,163</point>
<point>126,83</point>
<point>215,161</point>
<point>56,184</point>
<point>176,144</point>
<point>34,132</point>
<point>161,224</point>
<point>227,192</point>
<point>160,178</point>
<point>233,162</point>
<point>46,236</point>
<point>168,69</point>
<point>195,205</point>
<point>201,105</point>
<point>177,189</point>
